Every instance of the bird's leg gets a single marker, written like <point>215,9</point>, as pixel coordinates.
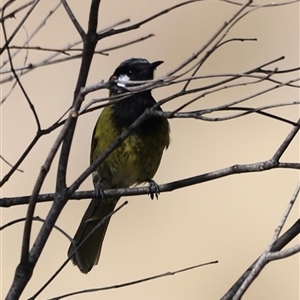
<point>98,188</point>
<point>153,189</point>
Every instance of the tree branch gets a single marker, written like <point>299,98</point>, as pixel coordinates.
<point>166,187</point>
<point>73,19</point>
<point>121,285</point>
<point>263,259</point>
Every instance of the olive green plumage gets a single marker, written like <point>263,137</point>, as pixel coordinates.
<point>135,161</point>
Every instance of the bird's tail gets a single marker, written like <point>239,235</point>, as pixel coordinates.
<point>87,255</point>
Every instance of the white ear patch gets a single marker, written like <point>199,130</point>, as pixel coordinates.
<point>124,78</point>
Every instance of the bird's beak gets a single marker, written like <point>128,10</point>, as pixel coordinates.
<point>155,64</point>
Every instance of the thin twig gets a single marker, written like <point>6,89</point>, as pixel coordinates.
<point>121,285</point>
<point>263,259</point>
<point>35,115</point>
<point>32,35</point>
<point>20,24</point>
<point>8,163</point>
<point>286,238</point>
<point>14,12</point>
<point>37,218</point>
<point>272,4</point>
<point>137,25</point>
<point>76,247</point>
<point>73,19</point>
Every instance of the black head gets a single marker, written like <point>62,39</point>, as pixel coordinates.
<point>135,69</point>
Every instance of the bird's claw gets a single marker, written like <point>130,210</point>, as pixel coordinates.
<point>98,187</point>
<point>153,189</point>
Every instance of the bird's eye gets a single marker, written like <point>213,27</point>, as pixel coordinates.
<point>129,72</point>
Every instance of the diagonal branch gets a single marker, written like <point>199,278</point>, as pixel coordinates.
<point>19,81</point>
<point>286,142</point>
<point>286,238</point>
<point>121,285</point>
<point>263,259</point>
<point>13,13</point>
<point>76,247</point>
<point>137,25</point>
<point>20,24</point>
<point>73,19</point>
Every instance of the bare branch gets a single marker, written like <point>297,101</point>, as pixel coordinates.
<point>13,13</point>
<point>20,160</point>
<point>31,36</point>
<point>34,219</point>
<point>19,82</point>
<point>263,259</point>
<point>20,24</point>
<point>73,19</point>
<point>166,187</point>
<point>28,259</point>
<point>120,285</point>
<point>39,48</point>
<point>112,31</point>
<point>76,247</point>
<point>125,44</point>
<point>272,4</point>
<point>1,157</point>
<point>283,254</point>
<point>286,143</point>
<point>15,82</point>
<point>286,238</point>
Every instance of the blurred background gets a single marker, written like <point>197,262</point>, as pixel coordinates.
<point>231,220</point>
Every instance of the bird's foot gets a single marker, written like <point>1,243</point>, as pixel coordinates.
<point>153,189</point>
<point>99,188</point>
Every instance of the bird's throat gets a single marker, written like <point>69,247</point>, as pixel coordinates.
<point>126,111</point>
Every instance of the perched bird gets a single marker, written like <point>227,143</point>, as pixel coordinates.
<point>135,161</point>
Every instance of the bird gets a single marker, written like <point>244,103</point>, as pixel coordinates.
<point>133,162</point>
